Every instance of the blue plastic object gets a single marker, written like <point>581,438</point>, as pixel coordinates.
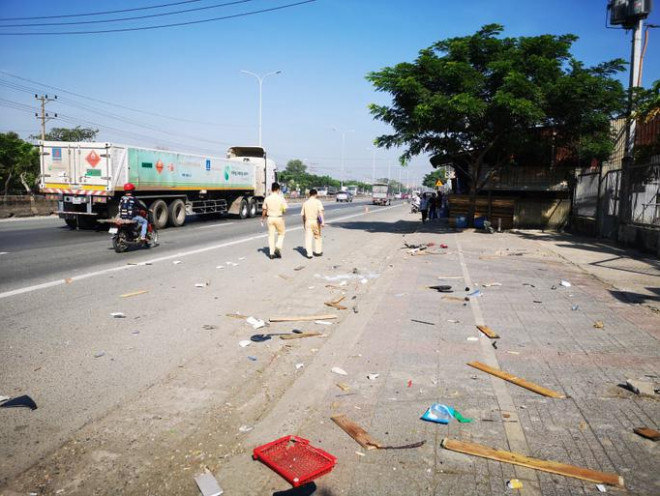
<point>461,221</point>
<point>479,222</point>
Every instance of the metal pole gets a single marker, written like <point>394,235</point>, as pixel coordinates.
<point>261,81</point>
<point>343,146</point>
<point>625,213</point>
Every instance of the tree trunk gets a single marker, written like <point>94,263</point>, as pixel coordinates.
<point>33,206</point>
<point>7,185</point>
<point>473,203</point>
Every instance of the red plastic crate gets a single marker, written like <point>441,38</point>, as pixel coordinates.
<point>295,459</point>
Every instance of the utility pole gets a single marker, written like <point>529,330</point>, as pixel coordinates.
<point>44,117</point>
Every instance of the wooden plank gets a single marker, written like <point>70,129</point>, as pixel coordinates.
<point>301,318</point>
<point>453,298</point>
<point>301,335</point>
<point>361,436</point>
<point>516,380</point>
<point>488,331</point>
<point>535,463</point>
<point>648,433</point>
<point>134,293</point>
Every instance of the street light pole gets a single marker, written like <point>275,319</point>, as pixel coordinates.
<point>343,146</point>
<point>373,164</point>
<point>261,82</point>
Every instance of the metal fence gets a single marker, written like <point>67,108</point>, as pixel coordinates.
<point>645,195</point>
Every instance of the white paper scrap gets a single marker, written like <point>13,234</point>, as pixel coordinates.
<point>339,371</point>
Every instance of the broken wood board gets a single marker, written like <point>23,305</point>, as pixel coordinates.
<point>534,463</point>
<point>516,380</point>
<point>301,335</point>
<point>488,331</point>
<point>301,318</point>
<point>335,303</point>
<point>453,298</point>
<point>134,293</point>
<point>361,436</point>
<point>648,433</point>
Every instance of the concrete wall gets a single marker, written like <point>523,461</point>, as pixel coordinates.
<point>643,238</point>
<point>23,206</point>
<point>541,213</point>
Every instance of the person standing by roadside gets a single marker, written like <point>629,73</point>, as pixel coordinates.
<point>273,209</point>
<point>424,207</point>
<point>313,221</point>
<point>433,207</point>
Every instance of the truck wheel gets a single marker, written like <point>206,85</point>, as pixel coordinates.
<point>252,208</point>
<point>243,210</point>
<point>71,223</point>
<point>177,213</point>
<point>158,211</point>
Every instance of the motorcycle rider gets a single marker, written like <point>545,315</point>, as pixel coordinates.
<point>130,207</point>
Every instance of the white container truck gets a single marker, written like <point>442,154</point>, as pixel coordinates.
<point>381,194</point>
<point>87,180</point>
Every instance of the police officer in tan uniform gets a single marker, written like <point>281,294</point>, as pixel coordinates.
<point>274,208</point>
<point>312,215</point>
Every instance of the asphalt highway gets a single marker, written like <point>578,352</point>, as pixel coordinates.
<point>35,251</point>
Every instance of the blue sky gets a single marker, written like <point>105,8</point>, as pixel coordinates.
<point>323,48</point>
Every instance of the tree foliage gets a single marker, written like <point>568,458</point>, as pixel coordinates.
<point>70,134</point>
<point>432,178</point>
<point>476,101</point>
<point>19,163</point>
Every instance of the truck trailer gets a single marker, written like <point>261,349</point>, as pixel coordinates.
<point>381,194</point>
<point>87,180</point>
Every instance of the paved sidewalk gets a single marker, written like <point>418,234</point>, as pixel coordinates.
<point>542,340</point>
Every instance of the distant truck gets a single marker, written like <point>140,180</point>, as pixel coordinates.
<point>381,194</point>
<point>87,180</point>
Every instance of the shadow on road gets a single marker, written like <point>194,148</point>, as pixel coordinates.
<point>398,227</point>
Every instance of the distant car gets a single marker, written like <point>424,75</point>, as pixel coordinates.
<point>398,196</point>
<point>344,196</point>
<point>405,196</point>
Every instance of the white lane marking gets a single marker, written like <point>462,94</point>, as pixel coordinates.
<point>3,252</point>
<point>214,225</point>
<point>58,282</point>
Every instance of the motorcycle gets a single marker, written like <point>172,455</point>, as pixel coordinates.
<point>127,233</point>
<point>414,208</point>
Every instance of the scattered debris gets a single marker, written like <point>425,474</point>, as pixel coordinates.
<point>135,333</point>
<point>245,428</point>
<point>207,484</point>
<point>534,463</point>
<point>335,303</point>
<point>244,343</point>
<point>516,380</point>
<point>236,316</point>
<point>514,484</point>
<point>208,327</point>
<point>219,266</point>
<point>252,358</point>
<point>409,383</point>
<point>363,438</point>
<point>299,366</point>
<point>488,331</point>
<point>99,354</point>
<point>201,284</point>
<point>444,246</point>
<point>575,307</point>
<point>453,321</point>
<point>528,284</point>
<point>343,386</point>
<point>118,315</point>
<point>538,301</point>
<point>68,280</point>
<point>293,458</point>
<point>300,267</point>
<point>640,387</point>
<point>476,292</point>
<point>601,488</point>
<point>301,335</point>
<point>176,262</point>
<point>513,352</point>
<point>443,288</point>
<point>255,323</point>
<point>373,377</point>
<point>453,298</point>
<point>564,283</point>
<point>323,322</point>
<point>442,414</point>
<point>3,398</point>
<point>422,322</point>
<point>355,308</point>
<point>648,433</point>
<point>494,344</point>
<point>20,402</point>
<point>488,285</point>
<point>134,293</point>
<point>473,338</point>
<point>302,318</point>
<point>339,371</point>
<point>359,453</point>
<point>599,324</point>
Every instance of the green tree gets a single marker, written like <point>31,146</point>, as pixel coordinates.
<point>431,178</point>
<point>70,134</point>
<point>19,164</point>
<point>476,101</point>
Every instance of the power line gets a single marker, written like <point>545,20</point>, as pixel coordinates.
<point>162,14</point>
<point>177,24</point>
<point>105,102</point>
<point>96,13</point>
